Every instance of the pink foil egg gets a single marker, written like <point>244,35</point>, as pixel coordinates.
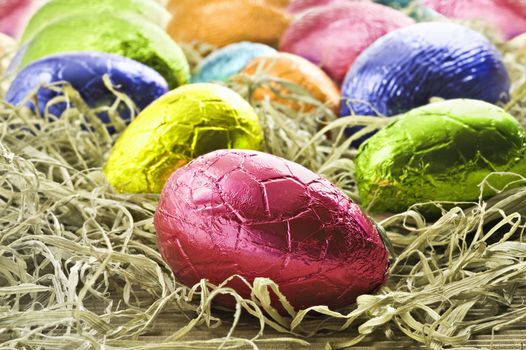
<point>14,15</point>
<point>257,215</point>
<point>333,36</point>
<point>509,16</point>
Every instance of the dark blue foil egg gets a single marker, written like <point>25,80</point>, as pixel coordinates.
<point>407,67</point>
<point>85,71</point>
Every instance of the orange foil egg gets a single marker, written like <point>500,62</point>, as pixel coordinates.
<point>223,22</point>
<point>297,70</point>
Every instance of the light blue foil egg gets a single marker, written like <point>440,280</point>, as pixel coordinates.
<point>229,60</point>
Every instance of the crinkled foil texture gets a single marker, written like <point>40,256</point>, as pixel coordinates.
<point>407,67</point>
<point>297,70</point>
<point>257,215</point>
<point>183,124</point>
<point>123,34</point>
<point>333,36</point>
<point>85,71</point>
<point>439,152</point>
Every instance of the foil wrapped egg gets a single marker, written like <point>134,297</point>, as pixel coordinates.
<point>184,123</point>
<point>297,7</point>
<point>14,15</point>
<point>124,34</point>
<point>507,16</point>
<point>229,60</point>
<point>333,36</point>
<point>257,215</point>
<point>57,9</point>
<point>439,152</point>
<point>407,67</point>
<point>297,70</point>
<point>85,71</point>
<point>223,22</point>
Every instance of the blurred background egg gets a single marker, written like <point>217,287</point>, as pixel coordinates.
<point>407,67</point>
<point>223,22</point>
<point>293,69</point>
<point>508,16</point>
<point>333,36</point>
<point>187,122</point>
<point>55,10</point>
<point>247,213</point>
<point>14,15</point>
<point>297,7</point>
<point>229,60</point>
<point>7,50</point>
<point>85,71</point>
<point>125,34</point>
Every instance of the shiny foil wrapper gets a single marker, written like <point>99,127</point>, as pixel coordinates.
<point>333,36</point>
<point>57,9</point>
<point>183,124</point>
<point>258,215</point>
<point>297,70</point>
<point>230,60</point>
<point>223,22</point>
<point>507,16</point>
<point>124,34</point>
<point>85,72</point>
<point>407,67</point>
<point>439,152</point>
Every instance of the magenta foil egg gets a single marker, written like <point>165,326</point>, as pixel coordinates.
<point>14,15</point>
<point>298,6</point>
<point>257,215</point>
<point>508,16</point>
<point>333,36</point>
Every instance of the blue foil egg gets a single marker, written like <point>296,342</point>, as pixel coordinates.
<point>229,60</point>
<point>85,71</point>
<point>407,67</point>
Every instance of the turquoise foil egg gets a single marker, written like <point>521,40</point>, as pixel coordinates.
<point>229,60</point>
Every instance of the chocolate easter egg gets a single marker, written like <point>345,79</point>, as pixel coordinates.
<point>297,70</point>
<point>183,124</point>
<point>223,22</point>
<point>333,36</point>
<point>229,60</point>
<point>256,215</point>
<point>296,7</point>
<point>407,67</point>
<point>508,16</point>
<point>56,9</point>
<point>85,72</point>
<point>124,34</point>
<point>439,152</point>
<point>14,15</point>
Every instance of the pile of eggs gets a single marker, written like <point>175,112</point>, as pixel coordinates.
<point>226,208</point>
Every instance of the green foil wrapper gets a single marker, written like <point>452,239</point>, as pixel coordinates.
<point>57,9</point>
<point>439,152</point>
<point>124,34</point>
<point>183,124</point>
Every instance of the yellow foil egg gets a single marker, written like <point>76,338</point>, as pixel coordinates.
<point>184,123</point>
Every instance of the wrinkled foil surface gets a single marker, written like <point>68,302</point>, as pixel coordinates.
<point>333,36</point>
<point>85,71</point>
<point>183,124</point>
<point>295,69</point>
<point>230,60</point>
<point>439,152</point>
<point>407,67</point>
<point>258,215</point>
<point>123,34</point>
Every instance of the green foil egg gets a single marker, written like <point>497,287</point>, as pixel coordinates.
<point>184,123</point>
<point>56,9</point>
<point>439,152</point>
<point>124,34</point>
